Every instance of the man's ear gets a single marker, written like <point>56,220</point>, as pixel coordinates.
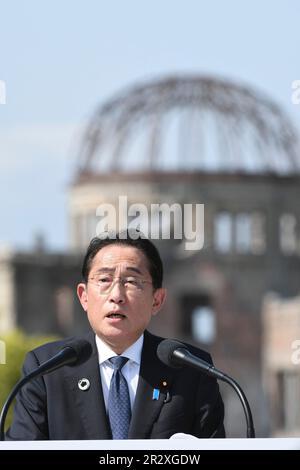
<point>159,298</point>
<point>82,295</point>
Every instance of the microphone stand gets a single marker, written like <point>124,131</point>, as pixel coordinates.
<point>184,355</point>
<point>245,404</point>
<point>7,404</point>
<point>64,357</point>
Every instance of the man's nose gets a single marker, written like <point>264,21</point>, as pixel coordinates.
<point>117,293</point>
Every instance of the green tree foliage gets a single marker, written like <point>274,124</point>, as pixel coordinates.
<point>16,345</point>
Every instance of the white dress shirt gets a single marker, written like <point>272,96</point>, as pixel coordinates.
<point>130,370</point>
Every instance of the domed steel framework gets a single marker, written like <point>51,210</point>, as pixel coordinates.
<point>189,123</point>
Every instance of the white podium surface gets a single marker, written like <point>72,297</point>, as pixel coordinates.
<point>158,444</point>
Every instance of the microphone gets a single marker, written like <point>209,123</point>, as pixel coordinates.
<point>73,353</point>
<point>175,354</point>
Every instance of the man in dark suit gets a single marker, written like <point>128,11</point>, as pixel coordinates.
<point>140,399</point>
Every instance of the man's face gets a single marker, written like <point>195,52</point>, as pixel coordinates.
<point>120,316</point>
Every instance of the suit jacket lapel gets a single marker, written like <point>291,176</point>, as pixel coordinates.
<point>154,375</point>
<point>90,402</point>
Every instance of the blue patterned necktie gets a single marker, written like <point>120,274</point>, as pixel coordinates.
<point>119,409</point>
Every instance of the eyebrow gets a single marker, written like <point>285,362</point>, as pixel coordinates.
<point>111,270</point>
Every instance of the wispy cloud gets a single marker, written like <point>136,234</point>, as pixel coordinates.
<point>22,146</point>
<point>2,92</point>
<point>36,163</point>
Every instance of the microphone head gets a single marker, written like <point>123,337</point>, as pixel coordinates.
<point>81,351</point>
<point>165,352</point>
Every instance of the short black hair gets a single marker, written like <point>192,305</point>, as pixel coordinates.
<point>132,238</point>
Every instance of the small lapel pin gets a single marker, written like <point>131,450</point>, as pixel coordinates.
<point>84,384</point>
<point>164,385</point>
<point>155,394</point>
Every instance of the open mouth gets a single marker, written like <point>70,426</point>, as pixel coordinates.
<point>116,315</point>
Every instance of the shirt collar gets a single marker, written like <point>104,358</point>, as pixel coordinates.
<point>134,352</point>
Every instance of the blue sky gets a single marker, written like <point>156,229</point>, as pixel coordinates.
<point>60,59</point>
